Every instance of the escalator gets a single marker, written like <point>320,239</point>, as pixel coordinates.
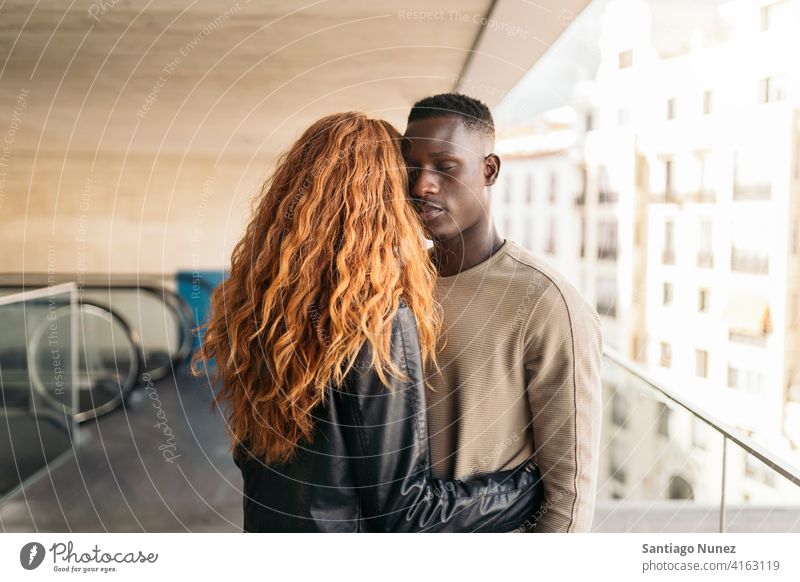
<point>70,354</point>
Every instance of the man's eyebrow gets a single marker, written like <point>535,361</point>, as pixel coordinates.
<point>443,153</point>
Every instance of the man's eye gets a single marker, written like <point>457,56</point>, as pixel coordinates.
<point>447,168</point>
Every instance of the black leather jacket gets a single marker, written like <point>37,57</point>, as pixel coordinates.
<point>368,467</point>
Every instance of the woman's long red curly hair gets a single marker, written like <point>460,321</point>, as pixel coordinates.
<point>332,246</point>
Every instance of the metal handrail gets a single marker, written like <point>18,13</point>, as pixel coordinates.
<point>148,283</point>
<point>729,433</point>
<point>86,306</point>
<point>784,468</point>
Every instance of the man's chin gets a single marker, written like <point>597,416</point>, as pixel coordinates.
<point>437,231</point>
<point>439,236</point>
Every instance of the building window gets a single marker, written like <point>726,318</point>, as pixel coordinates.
<point>733,377</point>
<point>580,198</point>
<point>605,191</point>
<point>702,301</point>
<point>625,59</point>
<point>705,255</point>
<point>666,355</point>
<point>705,188</point>
<point>701,363</point>
<point>589,121</point>
<point>772,89</point>
<point>529,189</point>
<point>550,245</point>
<point>708,101</point>
<point>553,187</point>
<point>606,295</point>
<point>664,414</point>
<point>620,409</point>
<point>583,237</point>
<point>671,108</point>
<point>666,295</point>
<point>751,174</point>
<point>617,461</point>
<point>669,170</point>
<point>749,261</point>
<point>607,240</point>
<point>668,252</point>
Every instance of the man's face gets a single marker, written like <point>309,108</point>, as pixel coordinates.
<point>449,173</point>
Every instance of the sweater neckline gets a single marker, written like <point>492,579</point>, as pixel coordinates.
<point>482,266</point>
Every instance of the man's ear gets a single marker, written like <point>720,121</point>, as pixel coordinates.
<point>491,169</point>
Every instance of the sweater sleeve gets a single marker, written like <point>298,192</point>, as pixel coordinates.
<point>563,365</point>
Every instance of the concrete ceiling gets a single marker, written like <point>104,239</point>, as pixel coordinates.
<point>221,77</point>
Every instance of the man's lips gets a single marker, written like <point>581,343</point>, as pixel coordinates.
<point>428,210</point>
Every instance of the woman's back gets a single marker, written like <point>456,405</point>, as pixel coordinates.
<point>368,466</point>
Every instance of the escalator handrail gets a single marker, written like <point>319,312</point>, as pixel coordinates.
<point>177,304</point>
<point>131,382</point>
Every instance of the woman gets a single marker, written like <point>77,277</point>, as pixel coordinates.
<point>319,336</point>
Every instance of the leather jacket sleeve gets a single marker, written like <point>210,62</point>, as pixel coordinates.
<point>385,431</point>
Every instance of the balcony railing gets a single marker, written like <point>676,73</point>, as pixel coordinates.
<point>703,196</point>
<point>705,259</point>
<point>608,196</point>
<point>747,338</point>
<point>752,191</point>
<point>609,253</point>
<point>673,467</point>
<point>666,197</point>
<point>749,262</point>
<point>675,197</point>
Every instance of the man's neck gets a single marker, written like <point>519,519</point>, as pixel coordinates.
<point>470,248</point>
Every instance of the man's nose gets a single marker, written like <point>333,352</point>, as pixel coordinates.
<point>425,184</point>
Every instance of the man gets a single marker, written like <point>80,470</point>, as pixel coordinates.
<point>520,362</point>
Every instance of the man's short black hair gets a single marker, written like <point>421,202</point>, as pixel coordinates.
<point>474,113</point>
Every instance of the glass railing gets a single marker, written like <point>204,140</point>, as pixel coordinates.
<point>39,363</point>
<point>667,465</point>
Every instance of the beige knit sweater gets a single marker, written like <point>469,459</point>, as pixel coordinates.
<point>520,378</point>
